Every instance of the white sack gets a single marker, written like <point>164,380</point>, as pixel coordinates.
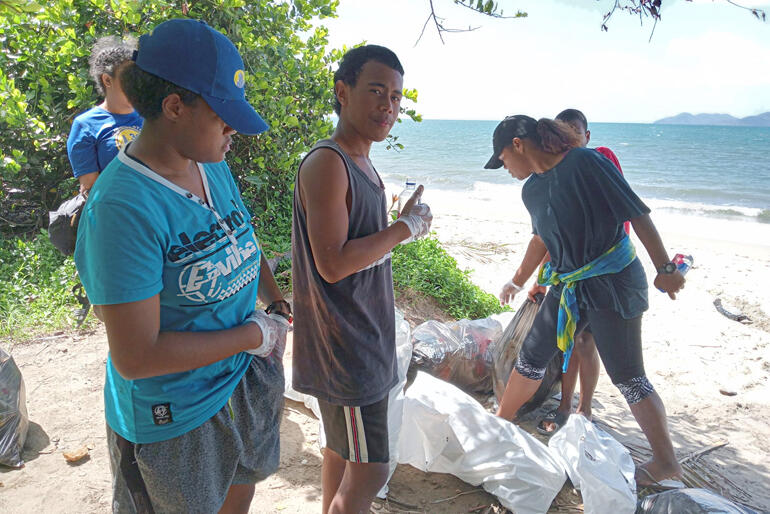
<point>395,397</point>
<point>311,402</point>
<point>599,466</point>
<point>446,431</point>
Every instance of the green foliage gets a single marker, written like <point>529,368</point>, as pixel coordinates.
<point>426,267</point>
<point>282,275</point>
<point>37,279</point>
<point>488,7</point>
<point>44,84</point>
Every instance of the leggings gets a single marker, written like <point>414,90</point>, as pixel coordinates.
<point>618,340</point>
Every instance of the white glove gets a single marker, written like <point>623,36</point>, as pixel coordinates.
<point>509,291</point>
<point>418,219</point>
<point>274,328</point>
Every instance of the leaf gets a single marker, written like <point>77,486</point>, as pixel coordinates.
<point>291,121</point>
<point>18,6</point>
<point>254,180</point>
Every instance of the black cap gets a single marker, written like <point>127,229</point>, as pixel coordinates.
<point>520,126</point>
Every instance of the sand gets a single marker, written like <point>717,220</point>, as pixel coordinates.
<point>691,353</point>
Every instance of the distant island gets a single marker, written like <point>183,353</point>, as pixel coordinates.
<point>685,118</point>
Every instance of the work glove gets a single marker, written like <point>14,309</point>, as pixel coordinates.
<point>418,218</point>
<point>509,291</point>
<point>274,328</point>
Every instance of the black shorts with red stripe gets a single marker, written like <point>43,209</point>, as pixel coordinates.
<point>357,434</point>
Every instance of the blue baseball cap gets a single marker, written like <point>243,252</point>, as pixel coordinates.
<point>194,56</point>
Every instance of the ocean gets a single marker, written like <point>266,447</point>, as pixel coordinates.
<point>711,171</point>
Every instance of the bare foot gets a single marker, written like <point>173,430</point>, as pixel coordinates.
<point>586,413</point>
<point>653,474</point>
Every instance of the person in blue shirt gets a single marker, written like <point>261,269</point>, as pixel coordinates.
<point>167,254</point>
<point>578,203</point>
<point>99,133</point>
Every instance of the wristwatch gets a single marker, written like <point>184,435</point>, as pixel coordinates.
<point>273,307</point>
<point>667,269</point>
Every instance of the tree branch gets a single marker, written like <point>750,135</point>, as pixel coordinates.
<point>758,13</point>
<point>492,13</point>
<point>440,28</point>
<point>642,8</point>
<point>435,20</point>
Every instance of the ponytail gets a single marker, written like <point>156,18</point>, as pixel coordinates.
<point>554,136</point>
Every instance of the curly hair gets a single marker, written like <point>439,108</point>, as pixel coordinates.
<point>353,62</point>
<point>108,54</point>
<point>146,91</point>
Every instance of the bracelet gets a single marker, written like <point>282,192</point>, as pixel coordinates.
<point>517,287</point>
<point>270,308</point>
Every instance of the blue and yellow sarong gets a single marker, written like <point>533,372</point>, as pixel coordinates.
<point>612,261</point>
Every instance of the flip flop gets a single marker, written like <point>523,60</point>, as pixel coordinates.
<point>556,417</point>
<point>667,484</point>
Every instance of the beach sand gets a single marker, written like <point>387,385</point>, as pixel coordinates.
<point>691,353</point>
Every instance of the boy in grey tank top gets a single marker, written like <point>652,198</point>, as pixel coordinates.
<point>344,334</point>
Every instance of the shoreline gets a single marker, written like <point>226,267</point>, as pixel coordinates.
<point>487,231</point>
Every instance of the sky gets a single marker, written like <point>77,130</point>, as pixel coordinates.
<point>704,56</point>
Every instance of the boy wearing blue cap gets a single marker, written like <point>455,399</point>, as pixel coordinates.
<point>194,382</point>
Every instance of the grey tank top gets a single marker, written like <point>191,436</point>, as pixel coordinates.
<point>344,333</point>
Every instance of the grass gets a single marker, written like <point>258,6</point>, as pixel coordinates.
<point>36,280</point>
<point>426,267</point>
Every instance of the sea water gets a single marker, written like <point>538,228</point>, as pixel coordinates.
<point>711,171</point>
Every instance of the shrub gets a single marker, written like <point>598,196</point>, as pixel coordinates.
<point>37,279</point>
<point>426,267</point>
<point>44,84</point>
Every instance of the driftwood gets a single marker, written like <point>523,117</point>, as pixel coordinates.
<point>729,312</point>
<point>472,491</point>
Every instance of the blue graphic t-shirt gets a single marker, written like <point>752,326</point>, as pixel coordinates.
<point>97,136</point>
<point>138,238</point>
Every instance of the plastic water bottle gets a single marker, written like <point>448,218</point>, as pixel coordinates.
<point>683,264</point>
<point>406,194</point>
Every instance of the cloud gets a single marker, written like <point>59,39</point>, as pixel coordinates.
<point>719,59</point>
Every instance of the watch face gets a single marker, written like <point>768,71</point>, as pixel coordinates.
<point>669,268</point>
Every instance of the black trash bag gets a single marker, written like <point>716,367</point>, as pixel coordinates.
<point>13,412</point>
<point>691,501</point>
<point>459,353</point>
<point>506,351</point>
<point>63,224</point>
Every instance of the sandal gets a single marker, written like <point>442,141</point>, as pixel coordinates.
<point>82,311</point>
<point>667,484</point>
<point>556,417</point>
